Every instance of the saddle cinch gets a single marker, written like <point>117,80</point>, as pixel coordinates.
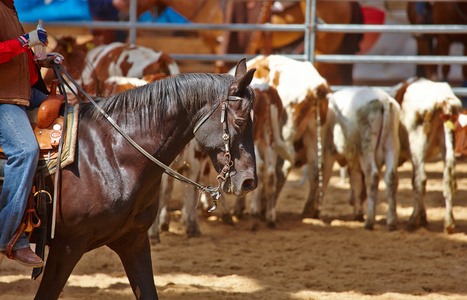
<point>48,126</point>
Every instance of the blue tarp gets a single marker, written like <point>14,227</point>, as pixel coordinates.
<point>78,10</point>
<point>169,15</point>
<point>56,10</point>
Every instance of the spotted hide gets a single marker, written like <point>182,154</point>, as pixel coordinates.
<point>426,136</point>
<point>118,84</point>
<point>270,150</point>
<point>304,94</point>
<point>90,65</point>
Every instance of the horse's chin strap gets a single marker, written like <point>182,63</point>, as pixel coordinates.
<point>214,192</point>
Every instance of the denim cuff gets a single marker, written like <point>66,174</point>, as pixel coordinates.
<point>22,242</point>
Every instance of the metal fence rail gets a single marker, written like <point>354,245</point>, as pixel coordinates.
<point>310,28</point>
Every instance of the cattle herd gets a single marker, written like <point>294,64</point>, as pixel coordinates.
<point>301,122</point>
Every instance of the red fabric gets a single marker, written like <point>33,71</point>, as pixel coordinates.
<point>33,75</point>
<point>11,48</point>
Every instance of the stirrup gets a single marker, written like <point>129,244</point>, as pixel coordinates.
<point>14,239</point>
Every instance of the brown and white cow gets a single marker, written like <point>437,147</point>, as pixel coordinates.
<point>271,151</point>
<point>301,88</point>
<point>304,94</point>
<point>118,84</point>
<point>426,134</point>
<point>309,130</point>
<point>366,137</point>
<point>90,65</point>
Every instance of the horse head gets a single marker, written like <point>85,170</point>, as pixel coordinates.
<point>226,135</point>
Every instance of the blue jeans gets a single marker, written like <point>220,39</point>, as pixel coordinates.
<point>20,146</point>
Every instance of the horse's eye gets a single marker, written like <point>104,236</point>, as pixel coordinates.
<point>239,122</point>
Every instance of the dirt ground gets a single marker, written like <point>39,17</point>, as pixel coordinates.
<point>300,259</point>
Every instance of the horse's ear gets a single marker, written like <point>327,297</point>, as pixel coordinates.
<point>246,80</point>
<point>243,82</point>
<point>240,69</point>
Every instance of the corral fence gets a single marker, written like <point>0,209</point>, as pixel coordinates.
<point>310,27</point>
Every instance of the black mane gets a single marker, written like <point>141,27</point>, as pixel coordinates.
<point>154,101</point>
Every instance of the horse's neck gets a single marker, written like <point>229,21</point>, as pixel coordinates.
<point>163,142</point>
<point>170,139</point>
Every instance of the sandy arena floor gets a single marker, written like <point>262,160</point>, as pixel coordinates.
<point>300,259</point>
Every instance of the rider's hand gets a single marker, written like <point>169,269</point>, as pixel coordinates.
<point>34,38</point>
<point>52,57</point>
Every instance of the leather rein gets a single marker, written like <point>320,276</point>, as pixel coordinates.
<point>214,192</point>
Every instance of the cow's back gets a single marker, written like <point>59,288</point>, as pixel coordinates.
<point>118,59</point>
<point>300,88</point>
<point>373,117</point>
<point>91,64</point>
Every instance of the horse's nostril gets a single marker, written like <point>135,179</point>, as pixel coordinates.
<point>249,185</point>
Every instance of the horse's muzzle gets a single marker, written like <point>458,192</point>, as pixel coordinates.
<point>246,186</point>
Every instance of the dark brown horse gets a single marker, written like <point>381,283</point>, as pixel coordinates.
<point>438,13</point>
<point>109,194</point>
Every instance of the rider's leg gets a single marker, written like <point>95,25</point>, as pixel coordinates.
<point>20,146</point>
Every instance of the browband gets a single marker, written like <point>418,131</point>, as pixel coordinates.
<point>229,98</point>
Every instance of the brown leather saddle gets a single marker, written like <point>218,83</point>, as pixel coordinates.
<point>47,125</point>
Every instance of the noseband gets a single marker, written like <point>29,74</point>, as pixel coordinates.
<point>225,172</point>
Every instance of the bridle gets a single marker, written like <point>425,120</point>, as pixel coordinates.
<point>228,163</point>
<point>214,192</point>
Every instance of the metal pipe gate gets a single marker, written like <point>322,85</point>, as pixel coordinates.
<point>310,27</point>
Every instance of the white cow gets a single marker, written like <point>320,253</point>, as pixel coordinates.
<point>426,136</point>
<point>366,137</point>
